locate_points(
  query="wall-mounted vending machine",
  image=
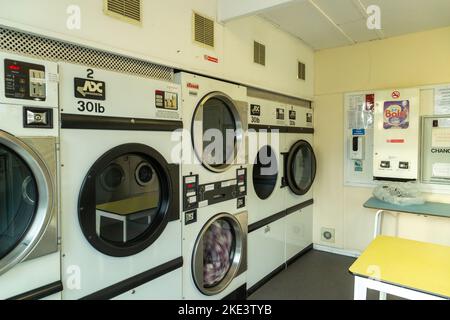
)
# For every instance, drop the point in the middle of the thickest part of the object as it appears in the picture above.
(396, 135)
(436, 149)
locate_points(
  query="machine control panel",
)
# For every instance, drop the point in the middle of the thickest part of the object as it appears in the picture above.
(190, 192)
(196, 195)
(25, 80)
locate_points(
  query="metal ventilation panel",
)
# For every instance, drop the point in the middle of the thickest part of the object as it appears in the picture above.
(127, 10)
(49, 49)
(259, 53)
(301, 71)
(203, 30)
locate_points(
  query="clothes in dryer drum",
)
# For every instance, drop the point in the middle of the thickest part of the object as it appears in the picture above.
(219, 253)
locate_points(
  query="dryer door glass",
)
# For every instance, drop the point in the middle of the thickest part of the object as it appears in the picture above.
(302, 167)
(265, 172)
(18, 199)
(218, 254)
(218, 251)
(217, 132)
(127, 199)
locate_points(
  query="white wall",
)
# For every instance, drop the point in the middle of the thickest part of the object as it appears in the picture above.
(166, 37)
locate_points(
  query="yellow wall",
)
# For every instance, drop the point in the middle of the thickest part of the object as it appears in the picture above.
(408, 61)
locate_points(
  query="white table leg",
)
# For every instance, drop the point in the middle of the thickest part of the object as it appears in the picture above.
(360, 292)
(125, 230)
(378, 223)
(98, 218)
(383, 296)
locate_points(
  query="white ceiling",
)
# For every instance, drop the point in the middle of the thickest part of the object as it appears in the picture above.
(332, 23)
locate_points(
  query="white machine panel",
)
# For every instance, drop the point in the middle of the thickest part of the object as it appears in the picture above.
(266, 112)
(265, 251)
(396, 135)
(86, 91)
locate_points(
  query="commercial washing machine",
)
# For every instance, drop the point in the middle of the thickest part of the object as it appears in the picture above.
(29, 122)
(299, 173)
(121, 228)
(214, 181)
(266, 197)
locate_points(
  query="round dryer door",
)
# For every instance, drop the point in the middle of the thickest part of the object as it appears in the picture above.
(26, 200)
(301, 167)
(219, 254)
(127, 199)
(265, 172)
(217, 131)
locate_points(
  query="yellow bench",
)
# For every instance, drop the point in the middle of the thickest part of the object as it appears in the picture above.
(404, 268)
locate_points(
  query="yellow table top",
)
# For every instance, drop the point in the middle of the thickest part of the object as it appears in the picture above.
(411, 264)
(130, 205)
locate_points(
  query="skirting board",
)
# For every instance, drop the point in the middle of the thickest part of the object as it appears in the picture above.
(342, 252)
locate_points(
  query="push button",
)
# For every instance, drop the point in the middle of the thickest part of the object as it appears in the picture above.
(385, 164)
(38, 118)
(404, 165)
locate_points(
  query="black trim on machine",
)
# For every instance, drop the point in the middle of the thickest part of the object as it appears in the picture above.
(300, 130)
(84, 122)
(40, 293)
(299, 206)
(262, 223)
(238, 294)
(260, 127)
(136, 281)
(393, 179)
(284, 266)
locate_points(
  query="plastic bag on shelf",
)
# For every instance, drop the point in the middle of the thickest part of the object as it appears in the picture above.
(399, 193)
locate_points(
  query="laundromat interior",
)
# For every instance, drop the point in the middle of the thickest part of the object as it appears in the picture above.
(225, 150)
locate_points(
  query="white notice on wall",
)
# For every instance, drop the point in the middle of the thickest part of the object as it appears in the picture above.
(442, 100)
(440, 137)
(441, 170)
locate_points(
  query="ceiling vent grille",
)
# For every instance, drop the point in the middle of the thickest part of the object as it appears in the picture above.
(127, 10)
(259, 56)
(203, 30)
(301, 71)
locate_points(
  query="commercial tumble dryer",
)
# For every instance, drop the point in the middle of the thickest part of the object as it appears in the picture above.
(266, 197)
(121, 230)
(29, 121)
(214, 170)
(299, 173)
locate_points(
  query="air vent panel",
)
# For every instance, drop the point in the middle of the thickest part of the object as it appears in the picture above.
(54, 50)
(301, 71)
(127, 10)
(203, 30)
(259, 56)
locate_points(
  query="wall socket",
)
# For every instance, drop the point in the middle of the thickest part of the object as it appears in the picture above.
(328, 235)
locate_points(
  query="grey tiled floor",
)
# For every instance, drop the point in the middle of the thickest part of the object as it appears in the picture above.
(315, 276)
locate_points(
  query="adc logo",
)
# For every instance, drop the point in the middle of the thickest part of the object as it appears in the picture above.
(255, 110)
(90, 89)
(292, 115)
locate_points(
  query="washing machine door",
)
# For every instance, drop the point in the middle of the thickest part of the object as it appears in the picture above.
(265, 172)
(217, 131)
(300, 167)
(26, 200)
(127, 199)
(220, 253)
